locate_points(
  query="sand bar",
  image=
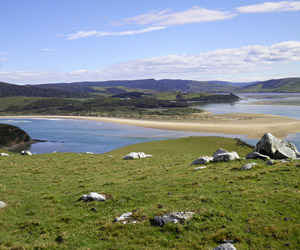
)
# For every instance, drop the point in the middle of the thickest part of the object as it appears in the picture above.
(251, 125)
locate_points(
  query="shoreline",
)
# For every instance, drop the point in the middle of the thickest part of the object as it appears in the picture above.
(250, 125)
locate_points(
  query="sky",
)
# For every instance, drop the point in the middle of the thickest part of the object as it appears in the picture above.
(48, 41)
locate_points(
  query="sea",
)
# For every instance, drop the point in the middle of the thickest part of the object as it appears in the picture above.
(81, 136)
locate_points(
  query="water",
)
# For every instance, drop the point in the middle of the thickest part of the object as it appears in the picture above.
(245, 106)
(71, 135)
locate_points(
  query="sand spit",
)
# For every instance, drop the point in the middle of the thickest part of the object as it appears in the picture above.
(251, 125)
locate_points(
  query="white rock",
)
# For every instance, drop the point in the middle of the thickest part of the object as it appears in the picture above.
(276, 148)
(256, 155)
(225, 246)
(2, 204)
(93, 197)
(90, 153)
(136, 155)
(202, 160)
(198, 168)
(4, 154)
(123, 217)
(223, 155)
(248, 166)
(26, 152)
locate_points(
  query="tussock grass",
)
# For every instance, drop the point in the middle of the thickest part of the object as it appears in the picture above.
(257, 208)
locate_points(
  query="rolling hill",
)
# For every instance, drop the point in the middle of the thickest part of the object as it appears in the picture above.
(7, 90)
(145, 84)
(276, 85)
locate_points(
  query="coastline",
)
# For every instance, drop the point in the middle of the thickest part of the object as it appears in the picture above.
(251, 125)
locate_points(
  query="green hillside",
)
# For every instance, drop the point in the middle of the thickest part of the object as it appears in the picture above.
(256, 209)
(279, 85)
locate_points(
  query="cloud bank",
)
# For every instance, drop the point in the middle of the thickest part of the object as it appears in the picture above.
(283, 6)
(252, 58)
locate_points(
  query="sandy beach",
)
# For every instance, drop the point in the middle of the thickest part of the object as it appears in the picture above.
(251, 125)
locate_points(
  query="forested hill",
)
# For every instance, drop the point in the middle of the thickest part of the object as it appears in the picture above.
(7, 90)
(149, 84)
(10, 135)
(277, 85)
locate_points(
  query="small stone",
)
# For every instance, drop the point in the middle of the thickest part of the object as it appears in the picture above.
(198, 168)
(270, 162)
(26, 152)
(2, 204)
(94, 209)
(248, 166)
(123, 217)
(202, 160)
(172, 217)
(93, 197)
(226, 246)
(136, 155)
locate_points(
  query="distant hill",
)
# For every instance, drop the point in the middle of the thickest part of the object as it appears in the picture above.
(276, 85)
(145, 84)
(7, 90)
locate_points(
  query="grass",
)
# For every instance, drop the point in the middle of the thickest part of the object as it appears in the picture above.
(258, 208)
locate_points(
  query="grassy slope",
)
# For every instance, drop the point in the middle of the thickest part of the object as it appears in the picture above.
(280, 85)
(258, 208)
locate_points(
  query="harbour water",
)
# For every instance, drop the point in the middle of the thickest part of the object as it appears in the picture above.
(72, 135)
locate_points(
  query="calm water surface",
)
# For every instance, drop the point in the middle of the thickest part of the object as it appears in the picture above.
(71, 135)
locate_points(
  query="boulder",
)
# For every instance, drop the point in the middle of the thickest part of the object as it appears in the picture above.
(225, 246)
(2, 204)
(93, 197)
(248, 166)
(223, 155)
(276, 148)
(256, 155)
(26, 152)
(136, 155)
(202, 160)
(172, 217)
(4, 154)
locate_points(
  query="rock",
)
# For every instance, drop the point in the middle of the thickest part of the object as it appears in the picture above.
(26, 152)
(198, 168)
(136, 155)
(202, 160)
(226, 246)
(256, 155)
(270, 162)
(223, 155)
(172, 217)
(89, 153)
(4, 154)
(275, 148)
(93, 197)
(123, 218)
(2, 204)
(248, 166)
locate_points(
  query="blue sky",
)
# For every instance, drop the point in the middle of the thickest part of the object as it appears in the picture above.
(74, 40)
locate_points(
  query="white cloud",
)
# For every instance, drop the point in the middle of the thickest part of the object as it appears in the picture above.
(3, 59)
(83, 34)
(271, 7)
(194, 14)
(47, 49)
(225, 63)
